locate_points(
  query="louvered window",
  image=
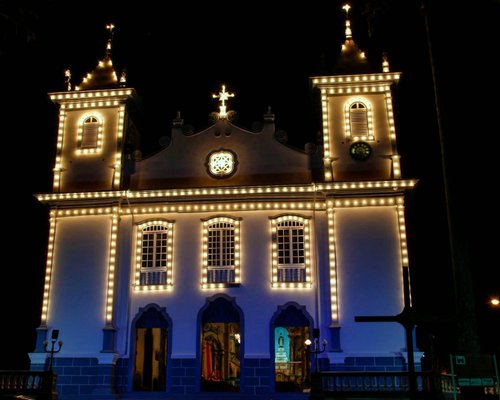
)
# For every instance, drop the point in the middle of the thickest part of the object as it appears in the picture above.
(358, 119)
(90, 133)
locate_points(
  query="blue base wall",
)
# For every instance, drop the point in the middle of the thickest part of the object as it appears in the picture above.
(81, 377)
(182, 376)
(256, 376)
(85, 378)
(122, 382)
(370, 364)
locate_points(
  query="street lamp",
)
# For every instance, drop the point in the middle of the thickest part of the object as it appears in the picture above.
(314, 348)
(494, 302)
(52, 351)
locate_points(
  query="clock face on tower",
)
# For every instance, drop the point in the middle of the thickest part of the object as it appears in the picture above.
(360, 151)
(221, 163)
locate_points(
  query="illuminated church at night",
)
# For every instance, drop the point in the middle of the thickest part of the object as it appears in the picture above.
(208, 266)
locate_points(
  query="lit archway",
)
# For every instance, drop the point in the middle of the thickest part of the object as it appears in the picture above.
(220, 327)
(291, 326)
(150, 349)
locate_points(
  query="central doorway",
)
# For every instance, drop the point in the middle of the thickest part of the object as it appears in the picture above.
(220, 345)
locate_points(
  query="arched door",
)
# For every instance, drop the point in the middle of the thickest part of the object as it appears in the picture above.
(290, 328)
(150, 351)
(220, 346)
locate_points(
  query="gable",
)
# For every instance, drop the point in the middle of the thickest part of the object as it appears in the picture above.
(254, 159)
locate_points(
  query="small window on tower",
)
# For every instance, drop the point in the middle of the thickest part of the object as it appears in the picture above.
(90, 128)
(90, 133)
(358, 120)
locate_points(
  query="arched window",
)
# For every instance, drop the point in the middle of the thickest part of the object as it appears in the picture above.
(90, 133)
(154, 255)
(221, 253)
(358, 119)
(291, 254)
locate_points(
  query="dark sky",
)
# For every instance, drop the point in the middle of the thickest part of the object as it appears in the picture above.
(176, 58)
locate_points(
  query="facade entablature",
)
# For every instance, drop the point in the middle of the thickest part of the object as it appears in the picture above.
(360, 79)
(67, 98)
(270, 194)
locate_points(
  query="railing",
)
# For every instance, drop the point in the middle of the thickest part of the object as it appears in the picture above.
(373, 384)
(38, 385)
(446, 384)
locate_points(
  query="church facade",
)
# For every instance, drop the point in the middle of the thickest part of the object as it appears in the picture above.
(228, 261)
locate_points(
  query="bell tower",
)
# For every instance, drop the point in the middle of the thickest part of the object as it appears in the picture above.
(359, 137)
(93, 125)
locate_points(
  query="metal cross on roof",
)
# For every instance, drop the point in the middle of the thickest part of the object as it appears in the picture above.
(223, 96)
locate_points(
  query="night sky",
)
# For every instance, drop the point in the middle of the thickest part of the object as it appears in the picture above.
(175, 59)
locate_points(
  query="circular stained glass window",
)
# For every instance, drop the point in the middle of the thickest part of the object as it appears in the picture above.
(222, 163)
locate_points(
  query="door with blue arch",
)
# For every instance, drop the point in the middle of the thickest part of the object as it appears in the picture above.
(220, 325)
(151, 338)
(291, 326)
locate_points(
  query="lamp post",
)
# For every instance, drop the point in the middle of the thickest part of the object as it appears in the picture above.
(314, 348)
(53, 350)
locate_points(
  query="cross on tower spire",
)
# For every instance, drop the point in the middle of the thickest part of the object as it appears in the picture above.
(348, 32)
(110, 27)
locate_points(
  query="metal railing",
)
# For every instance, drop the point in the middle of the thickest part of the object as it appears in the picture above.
(375, 384)
(40, 385)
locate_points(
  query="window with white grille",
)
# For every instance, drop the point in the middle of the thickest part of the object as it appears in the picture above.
(291, 255)
(221, 251)
(154, 255)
